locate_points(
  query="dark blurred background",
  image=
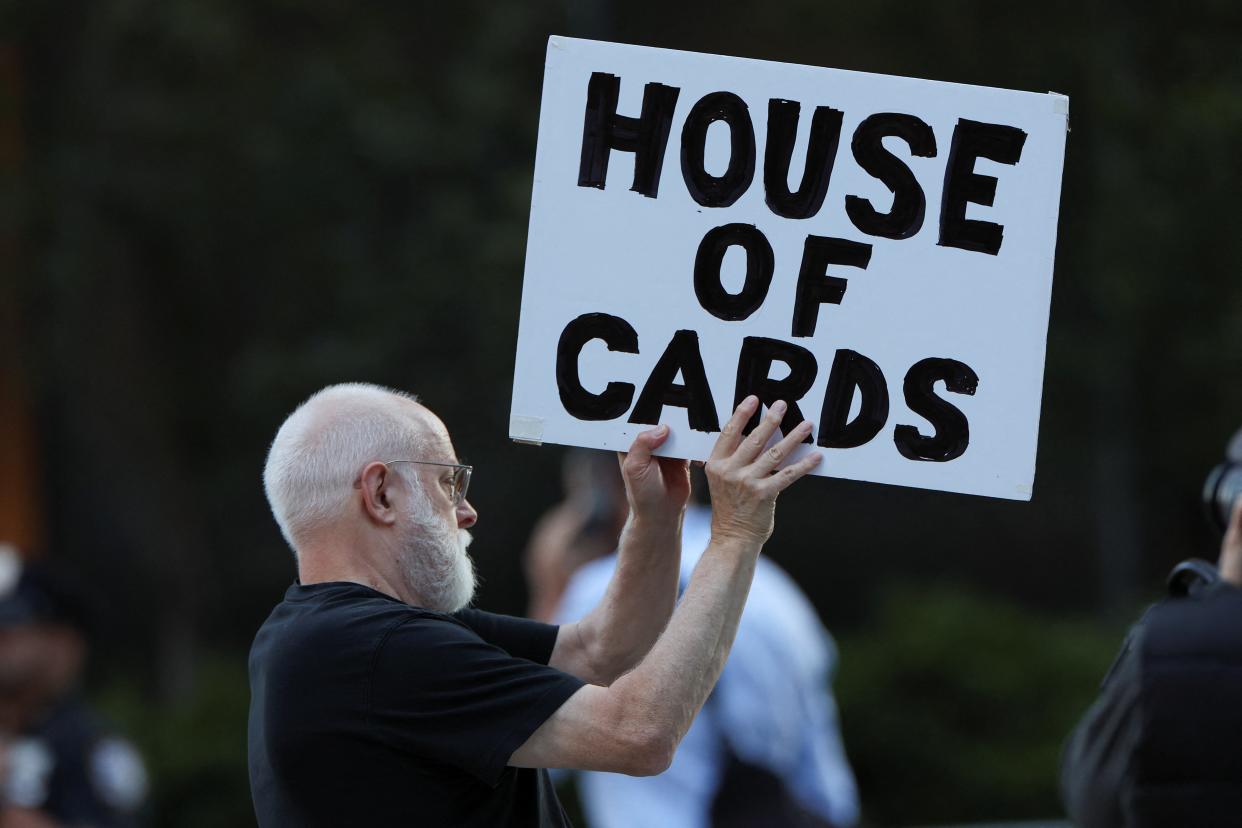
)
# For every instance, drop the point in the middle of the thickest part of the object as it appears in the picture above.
(211, 209)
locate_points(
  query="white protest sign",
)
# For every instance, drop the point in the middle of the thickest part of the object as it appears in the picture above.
(875, 250)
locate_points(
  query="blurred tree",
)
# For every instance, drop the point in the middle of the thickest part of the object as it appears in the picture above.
(227, 215)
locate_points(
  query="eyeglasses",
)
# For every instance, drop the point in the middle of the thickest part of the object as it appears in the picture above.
(457, 485)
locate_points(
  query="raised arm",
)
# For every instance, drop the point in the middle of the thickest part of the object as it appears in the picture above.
(634, 725)
(616, 635)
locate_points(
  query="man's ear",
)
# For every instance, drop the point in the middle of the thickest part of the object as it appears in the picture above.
(375, 483)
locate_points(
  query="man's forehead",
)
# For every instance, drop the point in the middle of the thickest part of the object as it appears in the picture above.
(433, 434)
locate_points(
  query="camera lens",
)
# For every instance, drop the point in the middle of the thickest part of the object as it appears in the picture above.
(1221, 491)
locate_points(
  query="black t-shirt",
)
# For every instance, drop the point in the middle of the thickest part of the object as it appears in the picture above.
(365, 711)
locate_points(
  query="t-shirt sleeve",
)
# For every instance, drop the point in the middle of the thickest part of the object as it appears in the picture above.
(442, 693)
(519, 637)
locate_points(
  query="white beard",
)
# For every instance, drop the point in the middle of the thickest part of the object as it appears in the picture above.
(435, 561)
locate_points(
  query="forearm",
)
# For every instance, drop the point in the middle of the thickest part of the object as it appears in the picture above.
(640, 597)
(635, 725)
(668, 688)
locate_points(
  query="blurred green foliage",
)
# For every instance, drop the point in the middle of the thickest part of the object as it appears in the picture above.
(954, 706)
(195, 748)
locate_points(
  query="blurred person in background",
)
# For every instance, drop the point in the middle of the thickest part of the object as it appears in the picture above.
(1161, 747)
(583, 527)
(766, 750)
(60, 767)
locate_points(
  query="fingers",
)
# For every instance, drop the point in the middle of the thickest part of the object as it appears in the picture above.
(784, 478)
(773, 457)
(731, 435)
(752, 445)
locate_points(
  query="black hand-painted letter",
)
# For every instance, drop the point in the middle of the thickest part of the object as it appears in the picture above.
(646, 136)
(618, 335)
(753, 367)
(682, 354)
(962, 185)
(905, 217)
(705, 188)
(952, 431)
(815, 286)
(821, 152)
(760, 263)
(853, 373)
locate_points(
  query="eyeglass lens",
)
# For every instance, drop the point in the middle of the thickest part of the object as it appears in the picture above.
(461, 482)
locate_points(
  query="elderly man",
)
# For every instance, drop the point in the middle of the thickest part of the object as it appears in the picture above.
(378, 699)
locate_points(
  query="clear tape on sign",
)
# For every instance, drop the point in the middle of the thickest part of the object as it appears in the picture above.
(527, 430)
(1060, 105)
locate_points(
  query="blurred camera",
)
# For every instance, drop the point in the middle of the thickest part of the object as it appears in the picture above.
(1224, 484)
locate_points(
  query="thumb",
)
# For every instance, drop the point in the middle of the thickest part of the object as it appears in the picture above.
(638, 458)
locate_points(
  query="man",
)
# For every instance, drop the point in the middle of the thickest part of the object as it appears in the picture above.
(1159, 748)
(378, 700)
(766, 749)
(59, 767)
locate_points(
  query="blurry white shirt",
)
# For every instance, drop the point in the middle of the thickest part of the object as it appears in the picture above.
(772, 705)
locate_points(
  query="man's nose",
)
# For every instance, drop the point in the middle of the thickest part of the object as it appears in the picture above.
(466, 515)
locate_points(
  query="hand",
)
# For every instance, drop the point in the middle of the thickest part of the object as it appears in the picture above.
(1230, 564)
(656, 487)
(744, 478)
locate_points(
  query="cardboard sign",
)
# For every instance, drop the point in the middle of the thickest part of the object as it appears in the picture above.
(875, 250)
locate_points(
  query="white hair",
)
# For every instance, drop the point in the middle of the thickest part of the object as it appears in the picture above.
(324, 444)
